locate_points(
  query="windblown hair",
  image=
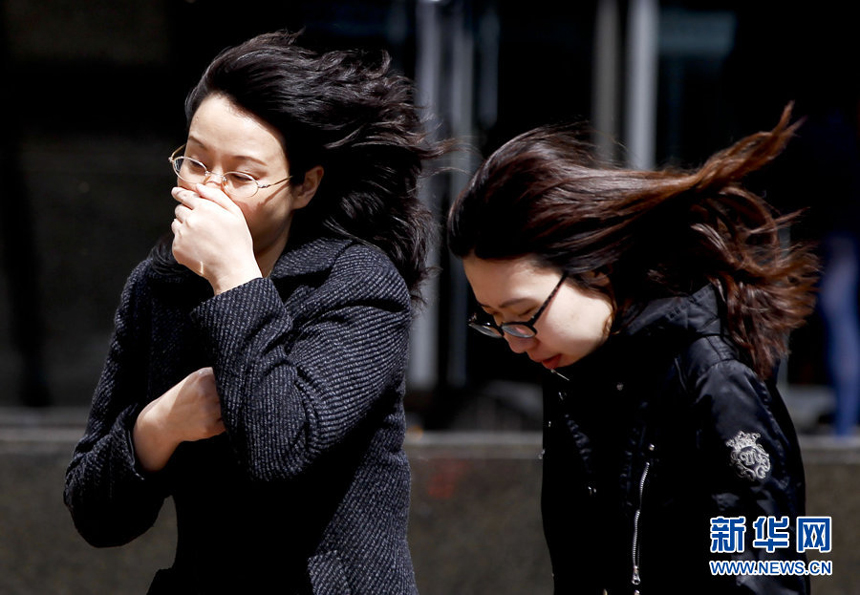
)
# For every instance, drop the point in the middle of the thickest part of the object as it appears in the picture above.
(650, 233)
(348, 112)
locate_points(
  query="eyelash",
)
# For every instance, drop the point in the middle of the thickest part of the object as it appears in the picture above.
(516, 318)
(247, 172)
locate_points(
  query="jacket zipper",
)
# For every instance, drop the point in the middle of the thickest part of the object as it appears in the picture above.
(636, 579)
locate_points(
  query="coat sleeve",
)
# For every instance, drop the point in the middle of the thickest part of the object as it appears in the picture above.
(294, 387)
(111, 501)
(748, 444)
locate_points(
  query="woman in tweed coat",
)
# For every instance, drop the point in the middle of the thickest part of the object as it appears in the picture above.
(256, 371)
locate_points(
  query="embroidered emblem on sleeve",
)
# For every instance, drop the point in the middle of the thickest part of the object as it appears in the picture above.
(749, 459)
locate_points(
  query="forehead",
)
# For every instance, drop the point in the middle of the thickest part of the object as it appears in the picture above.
(495, 282)
(219, 124)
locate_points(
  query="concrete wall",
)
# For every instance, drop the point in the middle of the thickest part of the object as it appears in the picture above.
(475, 524)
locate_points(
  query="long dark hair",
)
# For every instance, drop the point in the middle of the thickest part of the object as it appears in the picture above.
(651, 233)
(348, 112)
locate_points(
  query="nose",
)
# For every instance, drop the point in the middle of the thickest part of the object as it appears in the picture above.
(215, 178)
(518, 344)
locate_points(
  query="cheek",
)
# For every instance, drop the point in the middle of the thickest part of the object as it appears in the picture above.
(560, 339)
(576, 336)
(267, 213)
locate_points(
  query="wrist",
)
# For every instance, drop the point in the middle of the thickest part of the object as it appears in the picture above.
(233, 279)
(153, 442)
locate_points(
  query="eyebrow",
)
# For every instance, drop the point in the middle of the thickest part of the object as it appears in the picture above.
(506, 304)
(257, 160)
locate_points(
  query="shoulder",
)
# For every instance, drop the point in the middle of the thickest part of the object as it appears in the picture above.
(342, 267)
(731, 404)
(723, 387)
(369, 265)
(150, 278)
(711, 356)
(713, 379)
(139, 282)
(363, 274)
(363, 258)
(153, 293)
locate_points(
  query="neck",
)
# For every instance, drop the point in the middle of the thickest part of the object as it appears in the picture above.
(267, 257)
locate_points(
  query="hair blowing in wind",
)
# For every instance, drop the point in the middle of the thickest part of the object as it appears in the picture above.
(352, 113)
(651, 234)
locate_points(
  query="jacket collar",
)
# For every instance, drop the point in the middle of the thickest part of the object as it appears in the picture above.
(657, 328)
(309, 257)
(689, 316)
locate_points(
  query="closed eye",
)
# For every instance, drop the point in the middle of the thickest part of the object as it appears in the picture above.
(500, 319)
(238, 177)
(527, 314)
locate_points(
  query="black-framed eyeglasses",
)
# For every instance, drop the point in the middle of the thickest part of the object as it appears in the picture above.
(235, 184)
(522, 330)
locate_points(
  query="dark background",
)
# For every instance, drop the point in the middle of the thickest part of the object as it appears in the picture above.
(94, 93)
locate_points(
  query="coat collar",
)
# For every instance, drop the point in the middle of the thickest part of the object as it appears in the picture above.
(657, 328)
(309, 257)
(302, 258)
(697, 314)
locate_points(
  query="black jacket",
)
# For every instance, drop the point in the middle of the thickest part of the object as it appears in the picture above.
(662, 429)
(308, 490)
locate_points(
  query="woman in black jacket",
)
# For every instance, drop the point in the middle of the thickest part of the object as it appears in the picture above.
(661, 303)
(256, 372)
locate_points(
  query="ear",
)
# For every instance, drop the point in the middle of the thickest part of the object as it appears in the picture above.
(304, 193)
(600, 277)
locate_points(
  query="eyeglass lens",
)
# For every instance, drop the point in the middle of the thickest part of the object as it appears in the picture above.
(515, 329)
(522, 330)
(194, 172)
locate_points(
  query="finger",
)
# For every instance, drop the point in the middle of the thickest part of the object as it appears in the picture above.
(181, 213)
(218, 196)
(174, 227)
(187, 197)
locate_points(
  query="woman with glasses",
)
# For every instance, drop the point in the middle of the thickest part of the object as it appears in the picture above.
(661, 303)
(256, 372)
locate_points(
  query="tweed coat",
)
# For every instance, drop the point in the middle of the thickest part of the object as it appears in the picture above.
(307, 491)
